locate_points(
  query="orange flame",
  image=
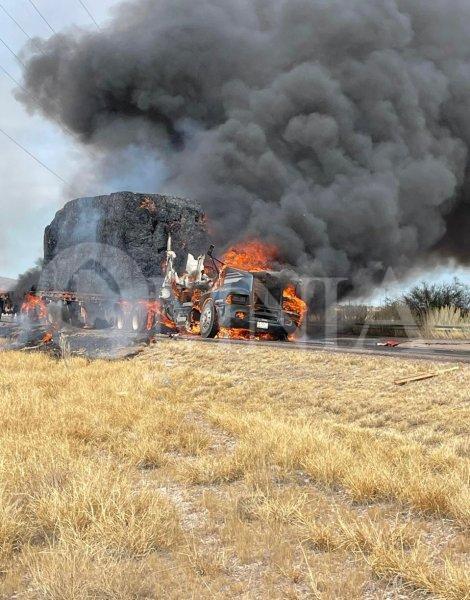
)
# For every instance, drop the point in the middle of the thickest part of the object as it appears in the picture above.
(251, 256)
(34, 307)
(152, 312)
(293, 304)
(194, 325)
(47, 337)
(155, 312)
(243, 334)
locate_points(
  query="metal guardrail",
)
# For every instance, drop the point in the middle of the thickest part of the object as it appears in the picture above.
(457, 327)
(384, 325)
(409, 325)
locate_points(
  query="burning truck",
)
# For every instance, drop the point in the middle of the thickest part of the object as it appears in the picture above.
(219, 299)
(210, 298)
(118, 261)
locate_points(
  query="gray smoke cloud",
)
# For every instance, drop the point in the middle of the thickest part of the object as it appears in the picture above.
(337, 129)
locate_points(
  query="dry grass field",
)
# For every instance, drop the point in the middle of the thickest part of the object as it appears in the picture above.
(436, 321)
(224, 471)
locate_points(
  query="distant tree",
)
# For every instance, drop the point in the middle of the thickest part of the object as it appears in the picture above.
(425, 297)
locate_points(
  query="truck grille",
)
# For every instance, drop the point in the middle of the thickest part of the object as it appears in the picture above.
(266, 315)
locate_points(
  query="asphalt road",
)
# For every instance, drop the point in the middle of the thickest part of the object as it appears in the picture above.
(118, 344)
(440, 352)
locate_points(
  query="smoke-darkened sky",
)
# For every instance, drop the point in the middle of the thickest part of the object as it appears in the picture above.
(30, 195)
(339, 130)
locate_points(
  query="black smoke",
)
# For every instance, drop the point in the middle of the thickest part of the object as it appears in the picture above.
(337, 129)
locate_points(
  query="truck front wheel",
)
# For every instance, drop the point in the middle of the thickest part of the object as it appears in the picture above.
(209, 320)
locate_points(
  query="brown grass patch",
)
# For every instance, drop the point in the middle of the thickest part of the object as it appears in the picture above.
(220, 471)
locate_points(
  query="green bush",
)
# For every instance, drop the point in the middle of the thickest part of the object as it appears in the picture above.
(426, 297)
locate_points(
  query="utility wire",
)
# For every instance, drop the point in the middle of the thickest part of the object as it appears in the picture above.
(41, 15)
(32, 155)
(87, 10)
(12, 52)
(15, 81)
(15, 21)
(12, 139)
(20, 85)
(33, 96)
(21, 28)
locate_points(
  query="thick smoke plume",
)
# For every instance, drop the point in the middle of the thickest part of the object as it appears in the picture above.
(338, 129)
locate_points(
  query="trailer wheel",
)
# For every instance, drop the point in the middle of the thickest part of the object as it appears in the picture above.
(209, 320)
(83, 316)
(65, 313)
(121, 321)
(139, 319)
(75, 314)
(54, 313)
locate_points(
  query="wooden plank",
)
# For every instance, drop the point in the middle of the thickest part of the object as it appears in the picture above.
(423, 376)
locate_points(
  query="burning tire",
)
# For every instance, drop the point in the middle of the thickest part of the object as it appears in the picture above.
(209, 320)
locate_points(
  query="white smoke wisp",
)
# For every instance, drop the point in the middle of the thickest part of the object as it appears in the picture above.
(338, 130)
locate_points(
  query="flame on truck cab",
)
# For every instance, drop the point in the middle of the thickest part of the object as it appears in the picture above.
(220, 298)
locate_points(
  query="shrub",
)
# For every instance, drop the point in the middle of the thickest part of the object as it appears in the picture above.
(426, 297)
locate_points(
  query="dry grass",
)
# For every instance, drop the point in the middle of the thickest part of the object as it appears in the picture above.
(440, 323)
(220, 471)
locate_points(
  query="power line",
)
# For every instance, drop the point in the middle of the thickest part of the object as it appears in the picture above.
(32, 155)
(15, 81)
(87, 10)
(26, 91)
(21, 86)
(21, 28)
(12, 52)
(41, 15)
(15, 21)
(33, 96)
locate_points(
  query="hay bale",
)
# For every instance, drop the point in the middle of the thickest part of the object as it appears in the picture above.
(117, 243)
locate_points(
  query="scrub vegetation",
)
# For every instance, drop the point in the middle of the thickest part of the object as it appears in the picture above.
(225, 471)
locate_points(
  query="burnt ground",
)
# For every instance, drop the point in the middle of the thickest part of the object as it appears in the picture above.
(91, 343)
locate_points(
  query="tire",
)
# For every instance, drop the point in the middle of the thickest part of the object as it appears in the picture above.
(209, 320)
(75, 314)
(54, 313)
(83, 316)
(139, 319)
(65, 314)
(92, 314)
(121, 321)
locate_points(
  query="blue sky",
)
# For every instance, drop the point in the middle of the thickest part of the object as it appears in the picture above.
(29, 194)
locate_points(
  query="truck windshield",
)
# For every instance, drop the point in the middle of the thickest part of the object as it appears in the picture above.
(240, 281)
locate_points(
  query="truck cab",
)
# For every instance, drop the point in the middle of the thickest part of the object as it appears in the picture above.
(247, 302)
